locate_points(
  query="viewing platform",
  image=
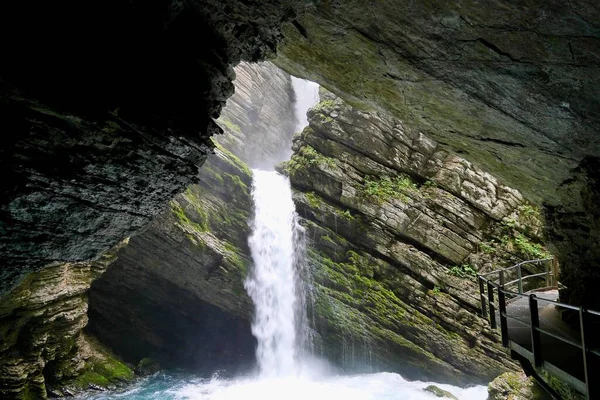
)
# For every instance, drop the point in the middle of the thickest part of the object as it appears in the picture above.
(541, 332)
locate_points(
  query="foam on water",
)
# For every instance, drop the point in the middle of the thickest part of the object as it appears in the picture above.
(380, 386)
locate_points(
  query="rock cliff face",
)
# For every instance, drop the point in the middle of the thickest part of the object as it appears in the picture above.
(42, 345)
(176, 292)
(98, 139)
(397, 228)
(259, 119)
(392, 255)
(105, 112)
(512, 87)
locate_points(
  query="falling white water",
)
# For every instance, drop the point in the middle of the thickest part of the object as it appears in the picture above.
(272, 283)
(307, 95)
(275, 245)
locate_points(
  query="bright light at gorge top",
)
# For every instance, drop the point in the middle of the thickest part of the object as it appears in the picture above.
(285, 369)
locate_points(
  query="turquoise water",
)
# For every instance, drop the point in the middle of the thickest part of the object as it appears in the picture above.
(379, 386)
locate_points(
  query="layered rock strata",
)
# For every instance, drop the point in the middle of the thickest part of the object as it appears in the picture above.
(187, 269)
(106, 108)
(507, 85)
(42, 346)
(397, 229)
(512, 87)
(176, 292)
(258, 120)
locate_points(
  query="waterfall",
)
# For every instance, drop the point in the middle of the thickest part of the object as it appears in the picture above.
(276, 245)
(275, 285)
(272, 285)
(307, 95)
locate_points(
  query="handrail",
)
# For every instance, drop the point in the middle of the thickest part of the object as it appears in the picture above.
(489, 286)
(537, 261)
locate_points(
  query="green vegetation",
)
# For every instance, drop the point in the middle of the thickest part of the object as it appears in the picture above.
(325, 103)
(385, 187)
(565, 391)
(529, 210)
(307, 157)
(463, 271)
(233, 160)
(516, 235)
(314, 200)
(230, 125)
(102, 369)
(528, 248)
(184, 220)
(111, 127)
(234, 257)
(486, 248)
(429, 184)
(346, 214)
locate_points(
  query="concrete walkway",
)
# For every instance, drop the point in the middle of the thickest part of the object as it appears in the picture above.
(562, 355)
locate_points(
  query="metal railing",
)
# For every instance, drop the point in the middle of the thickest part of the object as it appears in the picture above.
(495, 282)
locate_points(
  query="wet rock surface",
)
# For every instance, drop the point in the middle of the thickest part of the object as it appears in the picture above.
(259, 120)
(99, 138)
(43, 346)
(511, 87)
(397, 230)
(106, 110)
(176, 292)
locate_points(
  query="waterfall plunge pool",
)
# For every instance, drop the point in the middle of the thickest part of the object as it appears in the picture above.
(378, 386)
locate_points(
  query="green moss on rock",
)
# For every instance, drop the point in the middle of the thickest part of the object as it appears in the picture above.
(102, 368)
(438, 392)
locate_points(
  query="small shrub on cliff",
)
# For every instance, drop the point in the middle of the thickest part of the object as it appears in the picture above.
(384, 188)
(463, 271)
(230, 125)
(306, 157)
(529, 249)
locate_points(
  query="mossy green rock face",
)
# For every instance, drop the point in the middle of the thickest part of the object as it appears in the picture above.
(41, 322)
(515, 386)
(396, 229)
(147, 366)
(102, 370)
(176, 292)
(440, 392)
(511, 87)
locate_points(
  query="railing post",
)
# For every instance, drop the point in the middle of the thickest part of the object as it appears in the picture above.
(503, 320)
(590, 385)
(555, 272)
(482, 297)
(548, 277)
(501, 281)
(490, 289)
(520, 279)
(536, 347)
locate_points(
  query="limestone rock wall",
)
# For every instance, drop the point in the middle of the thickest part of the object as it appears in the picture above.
(259, 119)
(106, 109)
(41, 340)
(512, 87)
(397, 229)
(176, 292)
